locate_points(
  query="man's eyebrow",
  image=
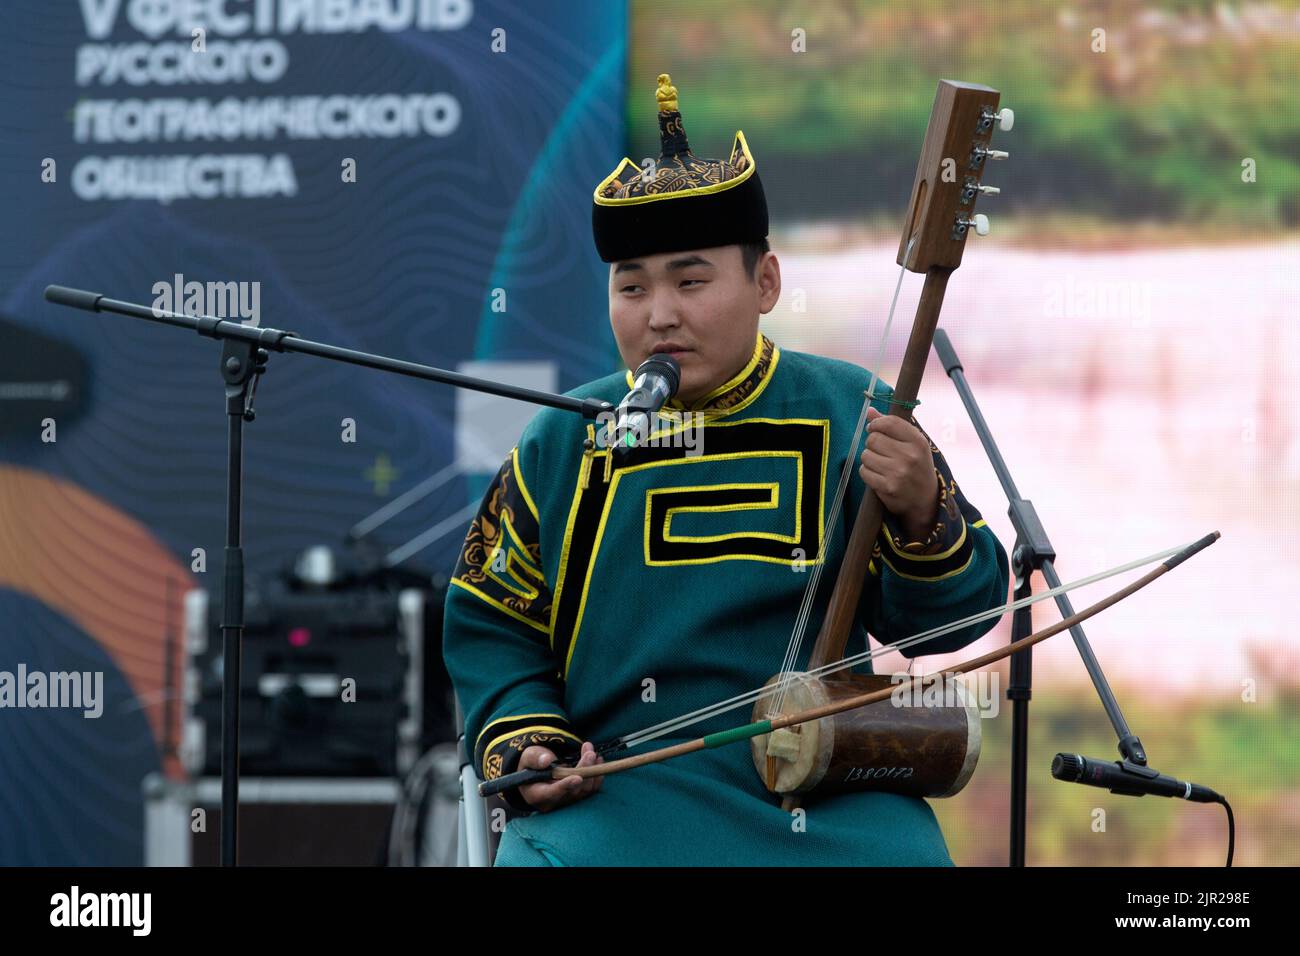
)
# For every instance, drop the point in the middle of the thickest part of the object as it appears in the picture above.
(673, 265)
(688, 261)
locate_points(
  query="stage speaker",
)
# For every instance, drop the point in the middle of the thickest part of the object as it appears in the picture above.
(283, 821)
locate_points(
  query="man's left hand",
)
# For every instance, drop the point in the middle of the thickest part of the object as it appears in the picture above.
(898, 466)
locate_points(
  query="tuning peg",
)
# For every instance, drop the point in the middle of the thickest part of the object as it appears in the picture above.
(980, 153)
(979, 222)
(1006, 119)
(971, 189)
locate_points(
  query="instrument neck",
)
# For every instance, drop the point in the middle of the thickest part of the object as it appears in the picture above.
(842, 610)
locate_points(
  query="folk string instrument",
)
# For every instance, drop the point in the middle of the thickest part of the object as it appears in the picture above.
(928, 750)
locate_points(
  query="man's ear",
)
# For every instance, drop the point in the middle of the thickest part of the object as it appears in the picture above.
(768, 278)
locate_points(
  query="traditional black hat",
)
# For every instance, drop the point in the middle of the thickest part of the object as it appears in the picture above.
(682, 201)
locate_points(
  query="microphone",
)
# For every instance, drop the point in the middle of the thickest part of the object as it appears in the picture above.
(1127, 778)
(655, 382)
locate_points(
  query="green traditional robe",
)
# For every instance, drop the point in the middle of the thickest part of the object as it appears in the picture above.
(601, 592)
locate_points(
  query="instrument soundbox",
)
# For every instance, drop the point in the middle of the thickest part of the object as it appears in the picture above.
(927, 747)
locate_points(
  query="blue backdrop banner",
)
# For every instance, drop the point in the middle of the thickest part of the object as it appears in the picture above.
(409, 177)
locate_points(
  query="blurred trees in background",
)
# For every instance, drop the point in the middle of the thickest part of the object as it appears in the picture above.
(1124, 109)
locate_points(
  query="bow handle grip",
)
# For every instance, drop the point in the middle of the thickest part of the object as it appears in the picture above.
(517, 779)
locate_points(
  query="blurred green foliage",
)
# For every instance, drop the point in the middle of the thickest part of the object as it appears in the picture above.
(1245, 751)
(1156, 125)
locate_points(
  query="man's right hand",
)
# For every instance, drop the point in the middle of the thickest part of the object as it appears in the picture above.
(557, 793)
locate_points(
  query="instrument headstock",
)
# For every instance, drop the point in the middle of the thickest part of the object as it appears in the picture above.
(956, 149)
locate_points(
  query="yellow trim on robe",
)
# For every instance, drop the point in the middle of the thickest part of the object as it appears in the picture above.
(523, 488)
(526, 730)
(612, 494)
(501, 607)
(497, 720)
(961, 539)
(773, 502)
(512, 558)
(913, 577)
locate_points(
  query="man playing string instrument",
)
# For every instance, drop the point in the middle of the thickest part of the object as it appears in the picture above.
(601, 590)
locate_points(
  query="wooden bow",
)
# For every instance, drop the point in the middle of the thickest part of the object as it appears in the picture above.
(758, 728)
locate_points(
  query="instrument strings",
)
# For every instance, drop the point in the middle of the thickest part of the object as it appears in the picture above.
(786, 673)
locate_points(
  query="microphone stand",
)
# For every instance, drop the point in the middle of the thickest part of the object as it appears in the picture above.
(244, 355)
(1033, 552)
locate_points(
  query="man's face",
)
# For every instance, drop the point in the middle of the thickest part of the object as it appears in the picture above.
(699, 306)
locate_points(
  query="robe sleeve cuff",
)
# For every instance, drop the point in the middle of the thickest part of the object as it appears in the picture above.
(504, 741)
(947, 549)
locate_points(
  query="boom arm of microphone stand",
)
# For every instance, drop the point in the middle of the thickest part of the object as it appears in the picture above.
(282, 341)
